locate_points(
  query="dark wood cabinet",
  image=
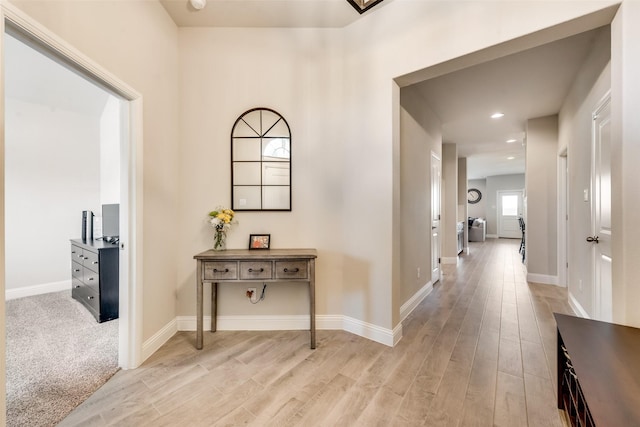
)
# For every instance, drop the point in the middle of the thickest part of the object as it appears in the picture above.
(598, 372)
(95, 277)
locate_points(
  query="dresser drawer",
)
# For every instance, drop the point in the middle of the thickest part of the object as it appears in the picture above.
(221, 270)
(291, 269)
(250, 270)
(91, 279)
(76, 254)
(76, 270)
(87, 297)
(91, 260)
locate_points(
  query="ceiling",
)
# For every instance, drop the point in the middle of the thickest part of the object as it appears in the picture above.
(265, 13)
(526, 85)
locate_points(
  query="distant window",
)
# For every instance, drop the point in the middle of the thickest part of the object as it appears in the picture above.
(509, 205)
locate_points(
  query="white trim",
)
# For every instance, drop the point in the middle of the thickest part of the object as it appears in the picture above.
(44, 288)
(154, 343)
(130, 324)
(373, 332)
(563, 212)
(449, 260)
(295, 323)
(491, 236)
(415, 300)
(545, 279)
(577, 307)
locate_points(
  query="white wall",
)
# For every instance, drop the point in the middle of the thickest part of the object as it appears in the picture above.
(478, 210)
(52, 175)
(542, 198)
(494, 184)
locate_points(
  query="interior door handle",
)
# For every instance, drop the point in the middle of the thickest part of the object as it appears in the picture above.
(593, 239)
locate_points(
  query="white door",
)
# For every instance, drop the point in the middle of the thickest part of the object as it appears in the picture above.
(601, 212)
(509, 210)
(435, 216)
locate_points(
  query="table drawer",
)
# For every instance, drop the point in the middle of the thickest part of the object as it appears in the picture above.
(250, 270)
(221, 270)
(291, 269)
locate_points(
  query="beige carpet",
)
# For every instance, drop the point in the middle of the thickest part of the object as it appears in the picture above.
(57, 356)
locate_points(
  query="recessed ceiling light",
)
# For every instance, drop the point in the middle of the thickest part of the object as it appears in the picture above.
(509, 141)
(497, 115)
(510, 158)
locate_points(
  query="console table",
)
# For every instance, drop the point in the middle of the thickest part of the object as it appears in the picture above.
(598, 372)
(257, 265)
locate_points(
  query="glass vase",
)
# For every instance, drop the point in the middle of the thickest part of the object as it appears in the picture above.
(219, 240)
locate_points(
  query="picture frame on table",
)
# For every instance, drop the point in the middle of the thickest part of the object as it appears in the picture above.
(259, 241)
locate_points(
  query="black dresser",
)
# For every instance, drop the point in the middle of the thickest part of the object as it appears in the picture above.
(94, 271)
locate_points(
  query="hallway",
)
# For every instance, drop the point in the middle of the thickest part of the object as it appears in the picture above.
(479, 350)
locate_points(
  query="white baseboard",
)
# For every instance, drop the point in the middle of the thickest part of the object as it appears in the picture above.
(577, 307)
(542, 278)
(45, 288)
(416, 299)
(374, 333)
(449, 260)
(154, 343)
(294, 323)
(491, 236)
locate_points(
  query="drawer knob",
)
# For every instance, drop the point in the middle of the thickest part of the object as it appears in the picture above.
(76, 286)
(80, 256)
(295, 270)
(90, 278)
(89, 298)
(251, 270)
(76, 270)
(215, 270)
(94, 262)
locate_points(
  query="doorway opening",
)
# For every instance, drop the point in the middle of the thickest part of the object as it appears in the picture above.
(129, 161)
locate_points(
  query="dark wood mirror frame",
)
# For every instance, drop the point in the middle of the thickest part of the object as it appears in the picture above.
(261, 162)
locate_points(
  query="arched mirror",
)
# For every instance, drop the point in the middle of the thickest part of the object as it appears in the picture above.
(261, 162)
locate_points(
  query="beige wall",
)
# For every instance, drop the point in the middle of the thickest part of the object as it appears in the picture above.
(137, 41)
(591, 84)
(448, 230)
(542, 196)
(224, 72)
(463, 209)
(625, 104)
(420, 136)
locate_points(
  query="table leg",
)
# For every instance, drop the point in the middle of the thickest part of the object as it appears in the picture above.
(199, 309)
(214, 306)
(312, 302)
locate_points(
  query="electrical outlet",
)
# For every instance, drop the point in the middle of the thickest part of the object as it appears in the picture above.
(252, 294)
(418, 273)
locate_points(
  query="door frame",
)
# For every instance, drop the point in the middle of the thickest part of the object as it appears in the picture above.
(436, 272)
(603, 103)
(563, 218)
(131, 203)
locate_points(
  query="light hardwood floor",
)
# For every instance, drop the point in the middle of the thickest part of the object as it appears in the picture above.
(478, 351)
